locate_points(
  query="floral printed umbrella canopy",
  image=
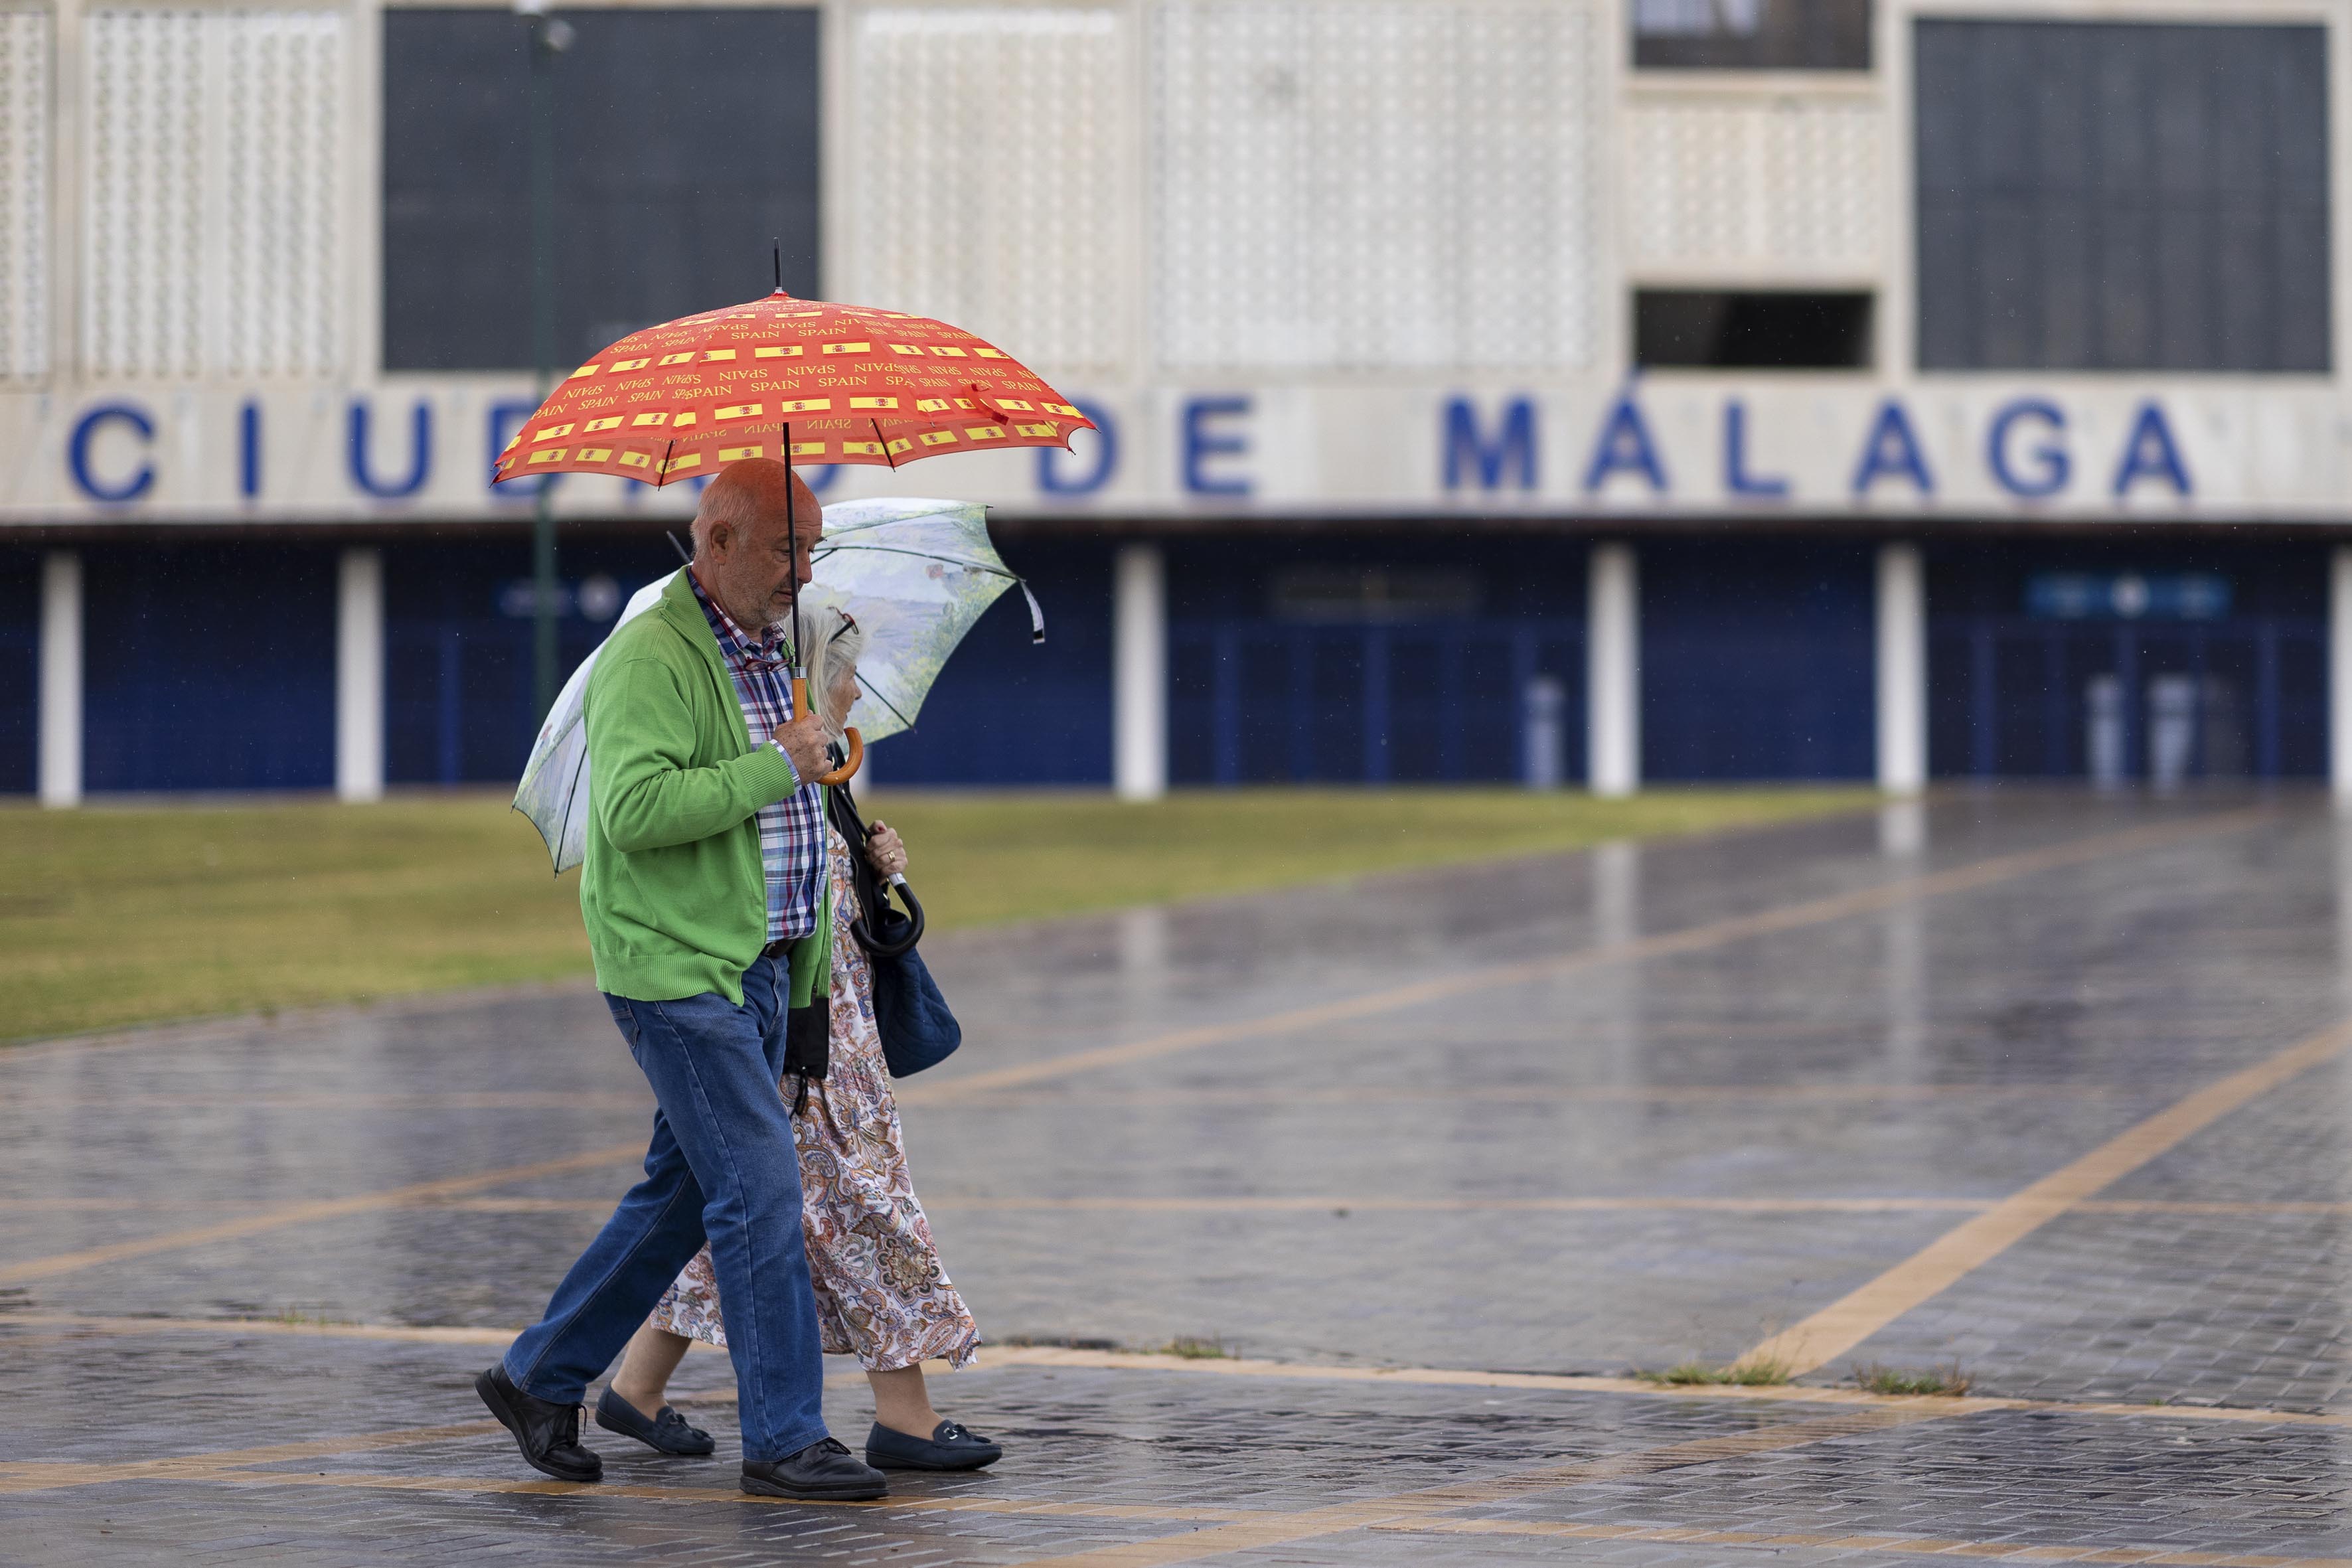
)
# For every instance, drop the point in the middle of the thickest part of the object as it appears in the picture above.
(851, 385)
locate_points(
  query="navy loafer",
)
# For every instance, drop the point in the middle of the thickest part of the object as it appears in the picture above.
(666, 1433)
(950, 1447)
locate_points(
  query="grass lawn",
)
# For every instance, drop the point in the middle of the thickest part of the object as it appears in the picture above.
(115, 915)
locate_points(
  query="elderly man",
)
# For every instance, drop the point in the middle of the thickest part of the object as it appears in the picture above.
(704, 895)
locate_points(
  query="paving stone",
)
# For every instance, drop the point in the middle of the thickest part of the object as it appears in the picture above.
(1948, 1048)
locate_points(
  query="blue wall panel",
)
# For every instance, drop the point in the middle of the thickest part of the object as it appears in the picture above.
(1756, 660)
(20, 639)
(459, 705)
(208, 667)
(1267, 689)
(1008, 712)
(2009, 689)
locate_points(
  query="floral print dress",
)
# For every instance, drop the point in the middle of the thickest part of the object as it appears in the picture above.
(881, 1293)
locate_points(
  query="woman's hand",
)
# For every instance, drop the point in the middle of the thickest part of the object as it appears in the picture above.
(883, 849)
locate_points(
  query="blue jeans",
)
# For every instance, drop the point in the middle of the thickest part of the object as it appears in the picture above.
(722, 1165)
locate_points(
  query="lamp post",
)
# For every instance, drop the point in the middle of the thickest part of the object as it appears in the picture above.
(550, 37)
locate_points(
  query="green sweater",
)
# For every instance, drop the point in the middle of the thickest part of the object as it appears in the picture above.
(673, 892)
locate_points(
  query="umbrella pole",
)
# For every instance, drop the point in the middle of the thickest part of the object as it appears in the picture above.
(799, 666)
(792, 544)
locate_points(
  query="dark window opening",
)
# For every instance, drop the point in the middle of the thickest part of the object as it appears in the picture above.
(2122, 196)
(686, 144)
(1751, 35)
(1776, 330)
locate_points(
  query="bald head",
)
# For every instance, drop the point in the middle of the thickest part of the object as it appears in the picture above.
(742, 548)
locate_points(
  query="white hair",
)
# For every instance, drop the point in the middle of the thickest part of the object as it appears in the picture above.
(834, 643)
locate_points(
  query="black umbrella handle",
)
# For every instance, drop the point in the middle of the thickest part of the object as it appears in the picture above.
(904, 944)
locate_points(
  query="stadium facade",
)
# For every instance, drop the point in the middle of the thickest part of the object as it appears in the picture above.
(1621, 390)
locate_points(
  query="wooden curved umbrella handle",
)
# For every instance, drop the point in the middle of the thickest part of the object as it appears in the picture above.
(847, 770)
(843, 774)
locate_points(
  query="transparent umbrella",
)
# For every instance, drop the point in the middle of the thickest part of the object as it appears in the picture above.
(916, 574)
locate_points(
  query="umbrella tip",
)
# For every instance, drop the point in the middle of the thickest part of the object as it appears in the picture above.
(777, 253)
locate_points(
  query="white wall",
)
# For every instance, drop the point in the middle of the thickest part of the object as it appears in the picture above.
(1612, 645)
(59, 766)
(1902, 669)
(1139, 673)
(359, 677)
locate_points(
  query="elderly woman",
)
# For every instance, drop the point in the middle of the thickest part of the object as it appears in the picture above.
(881, 1293)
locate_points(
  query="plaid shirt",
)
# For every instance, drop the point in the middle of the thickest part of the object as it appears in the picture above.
(791, 830)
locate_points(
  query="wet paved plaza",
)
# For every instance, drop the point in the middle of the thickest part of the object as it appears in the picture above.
(2051, 1089)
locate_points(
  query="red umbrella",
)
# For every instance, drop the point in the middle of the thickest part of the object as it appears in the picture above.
(800, 380)
(850, 383)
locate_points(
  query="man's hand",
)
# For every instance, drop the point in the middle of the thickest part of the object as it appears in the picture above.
(802, 739)
(884, 848)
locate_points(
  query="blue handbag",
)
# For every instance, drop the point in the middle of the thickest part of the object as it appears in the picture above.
(917, 1028)
(918, 1031)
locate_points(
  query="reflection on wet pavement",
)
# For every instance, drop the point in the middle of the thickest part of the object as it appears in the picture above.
(1574, 1116)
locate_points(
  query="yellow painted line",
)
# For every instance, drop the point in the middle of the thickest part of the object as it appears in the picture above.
(129, 1206)
(1353, 1206)
(1846, 1322)
(518, 1486)
(1691, 939)
(1862, 1412)
(1263, 1097)
(488, 1100)
(238, 1028)
(284, 1215)
(1278, 1530)
(1909, 1545)
(1276, 1098)
(1708, 934)
(1326, 1205)
(1411, 1514)
(64, 1327)
(294, 1328)
(48, 1475)
(992, 1357)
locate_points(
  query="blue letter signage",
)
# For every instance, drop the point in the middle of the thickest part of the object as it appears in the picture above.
(1736, 477)
(1200, 444)
(2052, 466)
(2150, 453)
(420, 461)
(141, 480)
(1511, 452)
(1051, 478)
(1893, 449)
(1624, 445)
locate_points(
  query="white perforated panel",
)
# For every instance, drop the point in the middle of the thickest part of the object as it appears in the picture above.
(1750, 184)
(212, 240)
(24, 195)
(989, 174)
(1374, 183)
(282, 267)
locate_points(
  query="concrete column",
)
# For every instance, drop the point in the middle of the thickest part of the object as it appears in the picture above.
(1139, 673)
(61, 699)
(2339, 673)
(1613, 671)
(359, 678)
(1902, 669)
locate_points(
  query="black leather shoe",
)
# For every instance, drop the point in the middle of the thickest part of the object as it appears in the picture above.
(666, 1433)
(547, 1433)
(950, 1447)
(823, 1471)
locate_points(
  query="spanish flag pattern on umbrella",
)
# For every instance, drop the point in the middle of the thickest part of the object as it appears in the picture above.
(854, 385)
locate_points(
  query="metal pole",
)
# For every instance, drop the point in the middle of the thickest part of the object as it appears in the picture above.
(548, 38)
